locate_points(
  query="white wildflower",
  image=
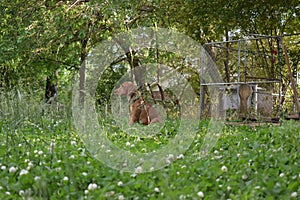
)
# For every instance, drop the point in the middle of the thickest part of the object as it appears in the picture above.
(84, 174)
(40, 152)
(244, 176)
(23, 172)
(121, 197)
(92, 186)
(156, 189)
(71, 157)
(30, 165)
(3, 167)
(58, 169)
(120, 183)
(138, 170)
(21, 192)
(224, 168)
(200, 194)
(37, 178)
(65, 178)
(281, 175)
(73, 143)
(12, 169)
(294, 194)
(180, 156)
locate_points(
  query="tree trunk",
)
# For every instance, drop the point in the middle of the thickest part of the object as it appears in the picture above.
(83, 54)
(51, 89)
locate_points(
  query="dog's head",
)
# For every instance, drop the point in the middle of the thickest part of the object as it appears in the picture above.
(126, 89)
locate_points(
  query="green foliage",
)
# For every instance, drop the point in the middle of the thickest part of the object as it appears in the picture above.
(41, 157)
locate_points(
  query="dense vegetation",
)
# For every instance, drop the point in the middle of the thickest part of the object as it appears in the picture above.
(42, 157)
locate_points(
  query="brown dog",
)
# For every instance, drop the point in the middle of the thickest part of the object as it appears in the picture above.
(140, 110)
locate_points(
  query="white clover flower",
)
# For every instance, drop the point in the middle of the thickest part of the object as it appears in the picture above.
(73, 143)
(238, 155)
(7, 193)
(224, 168)
(294, 194)
(30, 165)
(12, 169)
(127, 143)
(92, 186)
(200, 194)
(244, 176)
(138, 170)
(180, 156)
(37, 178)
(71, 157)
(58, 161)
(120, 183)
(35, 151)
(20, 145)
(23, 172)
(84, 173)
(121, 197)
(65, 178)
(57, 169)
(228, 188)
(156, 189)
(281, 175)
(86, 191)
(178, 173)
(3, 167)
(40, 152)
(21, 192)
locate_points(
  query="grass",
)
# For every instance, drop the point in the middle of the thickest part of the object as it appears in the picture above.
(42, 157)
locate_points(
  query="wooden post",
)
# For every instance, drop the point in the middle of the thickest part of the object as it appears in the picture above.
(245, 91)
(292, 80)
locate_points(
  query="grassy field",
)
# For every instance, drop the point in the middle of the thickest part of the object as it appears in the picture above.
(42, 157)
